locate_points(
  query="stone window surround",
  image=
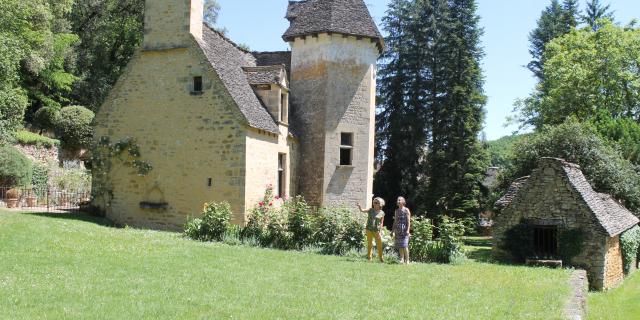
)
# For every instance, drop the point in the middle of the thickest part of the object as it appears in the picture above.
(344, 147)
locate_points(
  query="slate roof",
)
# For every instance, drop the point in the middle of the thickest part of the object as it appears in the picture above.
(610, 214)
(274, 58)
(350, 17)
(227, 59)
(265, 74)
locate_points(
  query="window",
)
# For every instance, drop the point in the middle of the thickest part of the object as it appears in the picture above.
(282, 164)
(197, 84)
(284, 105)
(545, 241)
(346, 149)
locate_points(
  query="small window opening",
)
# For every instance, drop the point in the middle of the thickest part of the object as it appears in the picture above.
(197, 84)
(282, 161)
(209, 182)
(284, 111)
(545, 242)
(346, 149)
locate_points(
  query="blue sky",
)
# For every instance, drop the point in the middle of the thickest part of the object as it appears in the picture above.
(507, 23)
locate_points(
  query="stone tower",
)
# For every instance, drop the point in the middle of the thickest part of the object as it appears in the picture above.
(169, 24)
(334, 46)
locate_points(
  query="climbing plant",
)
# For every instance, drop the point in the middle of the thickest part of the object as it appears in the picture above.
(630, 242)
(104, 154)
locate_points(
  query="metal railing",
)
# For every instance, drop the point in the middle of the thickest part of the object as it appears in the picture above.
(42, 199)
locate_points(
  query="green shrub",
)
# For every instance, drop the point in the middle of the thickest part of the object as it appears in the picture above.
(71, 177)
(301, 221)
(40, 178)
(339, 230)
(15, 168)
(27, 138)
(73, 127)
(213, 225)
(13, 102)
(630, 243)
(421, 240)
(46, 118)
(451, 232)
(570, 244)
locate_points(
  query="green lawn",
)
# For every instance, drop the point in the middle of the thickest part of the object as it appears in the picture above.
(620, 303)
(72, 267)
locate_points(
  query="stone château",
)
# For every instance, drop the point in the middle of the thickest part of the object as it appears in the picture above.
(219, 123)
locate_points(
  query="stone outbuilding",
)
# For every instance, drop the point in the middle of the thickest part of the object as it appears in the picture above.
(215, 122)
(556, 214)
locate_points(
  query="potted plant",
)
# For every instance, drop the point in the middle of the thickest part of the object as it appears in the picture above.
(31, 199)
(12, 197)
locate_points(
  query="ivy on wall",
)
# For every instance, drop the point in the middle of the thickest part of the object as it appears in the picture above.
(104, 154)
(630, 243)
(519, 242)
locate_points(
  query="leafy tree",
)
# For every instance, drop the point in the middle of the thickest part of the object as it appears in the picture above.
(45, 118)
(556, 20)
(605, 169)
(73, 126)
(595, 12)
(586, 71)
(501, 150)
(15, 168)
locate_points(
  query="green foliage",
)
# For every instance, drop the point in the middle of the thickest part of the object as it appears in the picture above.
(40, 177)
(71, 177)
(447, 248)
(13, 102)
(427, 126)
(586, 71)
(45, 118)
(33, 139)
(339, 230)
(518, 242)
(630, 245)
(15, 168)
(595, 13)
(73, 127)
(604, 168)
(556, 20)
(212, 225)
(451, 231)
(623, 133)
(301, 221)
(501, 150)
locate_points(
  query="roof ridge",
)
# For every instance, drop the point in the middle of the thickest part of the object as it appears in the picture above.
(227, 39)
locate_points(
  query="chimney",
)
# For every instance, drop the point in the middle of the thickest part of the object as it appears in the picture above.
(169, 24)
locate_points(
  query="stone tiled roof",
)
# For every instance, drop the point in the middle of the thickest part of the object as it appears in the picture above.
(609, 213)
(265, 74)
(227, 59)
(613, 217)
(350, 17)
(511, 193)
(274, 58)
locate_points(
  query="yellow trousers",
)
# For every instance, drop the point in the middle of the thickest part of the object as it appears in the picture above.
(370, 236)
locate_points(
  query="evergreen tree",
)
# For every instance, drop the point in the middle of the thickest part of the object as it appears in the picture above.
(456, 158)
(556, 20)
(594, 12)
(431, 106)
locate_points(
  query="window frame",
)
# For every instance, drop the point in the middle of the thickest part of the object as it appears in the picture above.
(346, 147)
(193, 85)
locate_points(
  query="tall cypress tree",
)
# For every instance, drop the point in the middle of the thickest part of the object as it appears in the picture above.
(431, 106)
(456, 159)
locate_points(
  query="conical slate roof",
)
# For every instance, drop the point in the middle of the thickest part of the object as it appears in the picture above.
(349, 17)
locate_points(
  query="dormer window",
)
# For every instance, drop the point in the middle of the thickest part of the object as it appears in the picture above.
(197, 85)
(284, 107)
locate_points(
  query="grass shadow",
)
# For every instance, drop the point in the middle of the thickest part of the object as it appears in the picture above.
(481, 254)
(74, 215)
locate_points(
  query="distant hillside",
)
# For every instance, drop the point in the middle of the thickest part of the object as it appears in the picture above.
(501, 150)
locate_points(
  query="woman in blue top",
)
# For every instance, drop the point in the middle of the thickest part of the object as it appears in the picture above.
(401, 229)
(375, 220)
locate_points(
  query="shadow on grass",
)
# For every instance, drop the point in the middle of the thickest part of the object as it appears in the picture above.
(481, 254)
(74, 215)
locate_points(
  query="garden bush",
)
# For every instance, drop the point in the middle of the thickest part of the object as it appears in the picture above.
(630, 243)
(27, 138)
(73, 127)
(213, 225)
(301, 221)
(46, 117)
(15, 168)
(451, 232)
(339, 230)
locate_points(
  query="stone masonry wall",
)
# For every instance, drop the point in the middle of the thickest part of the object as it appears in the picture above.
(170, 23)
(333, 91)
(186, 138)
(614, 270)
(549, 198)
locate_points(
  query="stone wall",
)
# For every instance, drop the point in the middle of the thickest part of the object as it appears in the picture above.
(549, 198)
(170, 23)
(40, 154)
(333, 91)
(614, 269)
(186, 138)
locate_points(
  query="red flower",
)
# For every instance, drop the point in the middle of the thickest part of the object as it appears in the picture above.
(261, 203)
(277, 197)
(270, 204)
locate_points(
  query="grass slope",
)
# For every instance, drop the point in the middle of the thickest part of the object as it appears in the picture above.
(620, 303)
(70, 266)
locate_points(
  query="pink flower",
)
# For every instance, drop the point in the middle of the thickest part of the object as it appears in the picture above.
(261, 203)
(277, 197)
(270, 204)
